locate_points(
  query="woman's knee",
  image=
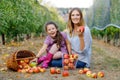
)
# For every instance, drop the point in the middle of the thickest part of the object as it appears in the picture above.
(80, 64)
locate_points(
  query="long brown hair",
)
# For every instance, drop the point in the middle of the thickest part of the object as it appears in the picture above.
(58, 38)
(70, 25)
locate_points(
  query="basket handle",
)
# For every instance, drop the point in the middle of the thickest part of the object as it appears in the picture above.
(14, 54)
(25, 58)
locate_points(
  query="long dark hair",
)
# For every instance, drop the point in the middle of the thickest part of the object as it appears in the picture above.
(58, 38)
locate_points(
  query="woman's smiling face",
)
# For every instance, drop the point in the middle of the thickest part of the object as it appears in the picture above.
(75, 17)
(51, 30)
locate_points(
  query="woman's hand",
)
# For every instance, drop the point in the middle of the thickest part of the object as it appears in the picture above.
(80, 31)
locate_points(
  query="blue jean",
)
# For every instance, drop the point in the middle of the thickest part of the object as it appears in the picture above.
(58, 63)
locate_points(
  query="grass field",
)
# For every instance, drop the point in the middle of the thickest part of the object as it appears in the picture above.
(105, 58)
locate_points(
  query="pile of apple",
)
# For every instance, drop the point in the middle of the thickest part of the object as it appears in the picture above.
(69, 61)
(55, 70)
(26, 67)
(91, 74)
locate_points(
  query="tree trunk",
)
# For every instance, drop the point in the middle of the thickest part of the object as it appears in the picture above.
(28, 36)
(3, 39)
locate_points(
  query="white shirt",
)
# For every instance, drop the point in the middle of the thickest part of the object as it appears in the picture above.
(85, 55)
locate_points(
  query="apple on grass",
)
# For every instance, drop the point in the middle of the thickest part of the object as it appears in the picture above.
(100, 74)
(81, 71)
(23, 71)
(42, 70)
(20, 66)
(65, 67)
(52, 70)
(65, 73)
(85, 69)
(58, 71)
(89, 73)
(30, 71)
(94, 75)
(35, 69)
(19, 70)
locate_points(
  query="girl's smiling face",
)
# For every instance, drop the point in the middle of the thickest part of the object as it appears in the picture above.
(51, 30)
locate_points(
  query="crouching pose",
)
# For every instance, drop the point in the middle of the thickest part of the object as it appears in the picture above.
(55, 45)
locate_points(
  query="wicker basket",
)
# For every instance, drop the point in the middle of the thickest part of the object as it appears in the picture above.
(12, 60)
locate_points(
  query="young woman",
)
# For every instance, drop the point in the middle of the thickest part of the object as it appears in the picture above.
(80, 37)
(56, 44)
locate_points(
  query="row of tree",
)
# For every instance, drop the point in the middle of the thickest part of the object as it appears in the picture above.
(110, 35)
(102, 13)
(20, 18)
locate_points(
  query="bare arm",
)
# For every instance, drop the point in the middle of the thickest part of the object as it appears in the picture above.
(82, 43)
(68, 46)
(81, 37)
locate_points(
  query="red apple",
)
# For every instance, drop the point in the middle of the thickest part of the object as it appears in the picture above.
(94, 75)
(65, 73)
(21, 62)
(30, 71)
(81, 28)
(52, 70)
(58, 71)
(19, 70)
(20, 66)
(71, 60)
(65, 67)
(66, 56)
(81, 71)
(71, 56)
(100, 74)
(65, 61)
(42, 70)
(36, 70)
(71, 65)
(85, 70)
(23, 71)
(89, 73)
(75, 56)
(26, 66)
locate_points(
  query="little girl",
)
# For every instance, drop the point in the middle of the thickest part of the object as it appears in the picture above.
(56, 44)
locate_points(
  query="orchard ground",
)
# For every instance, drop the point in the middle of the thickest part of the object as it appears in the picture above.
(105, 58)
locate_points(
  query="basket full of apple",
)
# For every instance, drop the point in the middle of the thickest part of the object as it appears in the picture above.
(19, 60)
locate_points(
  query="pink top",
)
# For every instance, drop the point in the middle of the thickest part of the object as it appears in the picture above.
(50, 41)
